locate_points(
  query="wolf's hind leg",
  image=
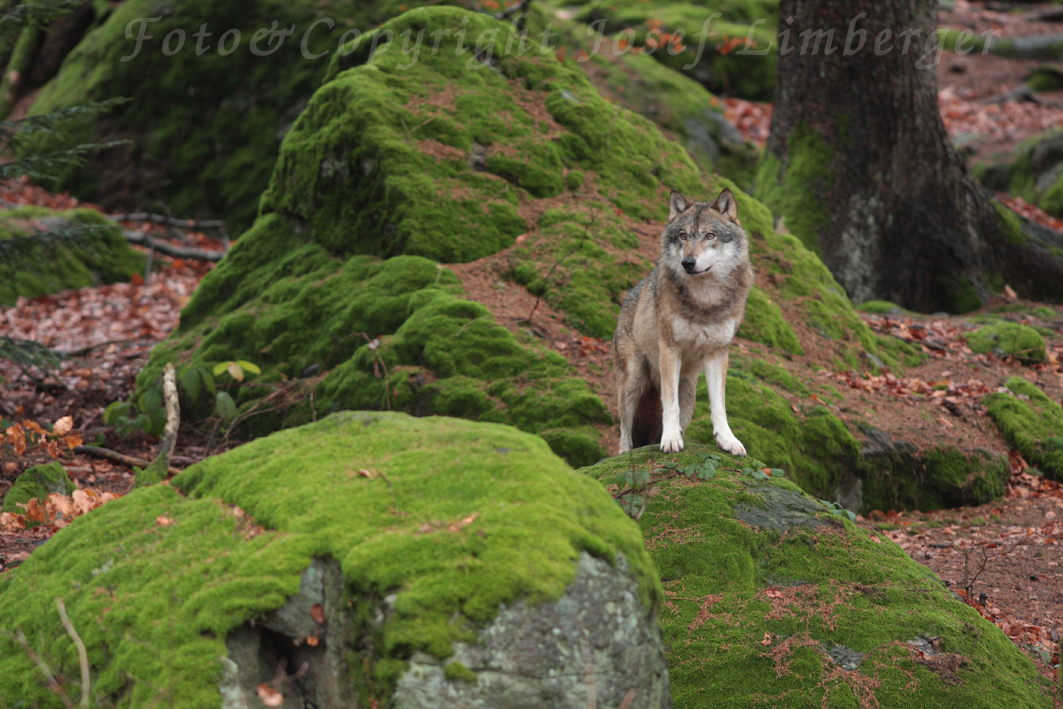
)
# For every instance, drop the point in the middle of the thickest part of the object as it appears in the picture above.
(688, 388)
(716, 378)
(632, 383)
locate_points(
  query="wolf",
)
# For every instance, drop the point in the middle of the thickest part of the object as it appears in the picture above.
(680, 320)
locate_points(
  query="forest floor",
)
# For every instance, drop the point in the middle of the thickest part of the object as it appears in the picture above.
(1005, 558)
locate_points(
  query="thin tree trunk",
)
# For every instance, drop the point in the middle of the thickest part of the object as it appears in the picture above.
(860, 167)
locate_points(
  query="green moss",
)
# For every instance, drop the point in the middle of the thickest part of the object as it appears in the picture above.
(793, 190)
(574, 180)
(940, 477)
(765, 323)
(1027, 173)
(88, 250)
(879, 307)
(457, 672)
(154, 603)
(1008, 338)
(36, 483)
(1031, 423)
(763, 586)
(813, 446)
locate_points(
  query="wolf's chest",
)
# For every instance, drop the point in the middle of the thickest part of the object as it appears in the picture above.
(696, 337)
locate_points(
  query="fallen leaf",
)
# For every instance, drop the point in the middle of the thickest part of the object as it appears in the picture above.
(269, 696)
(163, 521)
(63, 426)
(313, 640)
(317, 612)
(767, 639)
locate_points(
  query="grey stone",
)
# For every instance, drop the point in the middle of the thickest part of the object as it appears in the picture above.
(592, 647)
(780, 510)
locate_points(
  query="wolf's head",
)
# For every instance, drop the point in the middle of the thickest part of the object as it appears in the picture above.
(702, 237)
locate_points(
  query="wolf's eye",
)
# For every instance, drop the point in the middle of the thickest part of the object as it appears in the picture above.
(710, 236)
(682, 236)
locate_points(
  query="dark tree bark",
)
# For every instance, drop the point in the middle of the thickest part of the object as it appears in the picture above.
(861, 168)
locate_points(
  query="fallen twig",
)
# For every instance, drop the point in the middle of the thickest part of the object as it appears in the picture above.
(83, 656)
(116, 457)
(139, 237)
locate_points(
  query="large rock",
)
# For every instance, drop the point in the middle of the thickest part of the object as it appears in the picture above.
(45, 251)
(377, 557)
(774, 599)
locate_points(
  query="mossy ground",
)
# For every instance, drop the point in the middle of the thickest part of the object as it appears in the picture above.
(153, 602)
(1032, 423)
(764, 586)
(1008, 338)
(61, 250)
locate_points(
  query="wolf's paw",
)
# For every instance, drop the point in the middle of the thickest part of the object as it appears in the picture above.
(731, 444)
(672, 443)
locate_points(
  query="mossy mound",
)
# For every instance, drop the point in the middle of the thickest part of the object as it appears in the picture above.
(387, 334)
(1008, 338)
(731, 53)
(679, 105)
(773, 600)
(434, 159)
(896, 475)
(449, 519)
(36, 483)
(59, 250)
(1032, 423)
(1034, 172)
(205, 126)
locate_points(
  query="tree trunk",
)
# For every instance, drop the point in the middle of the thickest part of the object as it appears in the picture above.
(860, 167)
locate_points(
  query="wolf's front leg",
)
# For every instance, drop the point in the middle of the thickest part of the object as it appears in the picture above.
(672, 431)
(716, 379)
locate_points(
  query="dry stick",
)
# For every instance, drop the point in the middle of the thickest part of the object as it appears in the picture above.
(53, 684)
(169, 221)
(609, 136)
(116, 457)
(173, 416)
(83, 656)
(628, 698)
(139, 237)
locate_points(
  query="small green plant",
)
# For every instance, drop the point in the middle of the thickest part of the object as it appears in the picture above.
(148, 414)
(835, 509)
(634, 495)
(764, 473)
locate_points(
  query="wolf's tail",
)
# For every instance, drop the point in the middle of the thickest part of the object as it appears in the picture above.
(646, 427)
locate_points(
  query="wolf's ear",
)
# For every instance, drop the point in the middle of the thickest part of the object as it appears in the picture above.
(726, 205)
(677, 204)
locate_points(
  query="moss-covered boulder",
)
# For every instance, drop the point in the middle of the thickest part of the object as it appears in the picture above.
(207, 113)
(45, 251)
(393, 542)
(1008, 338)
(1032, 423)
(36, 483)
(1034, 172)
(775, 600)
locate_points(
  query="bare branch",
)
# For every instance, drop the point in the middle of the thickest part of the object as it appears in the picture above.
(83, 656)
